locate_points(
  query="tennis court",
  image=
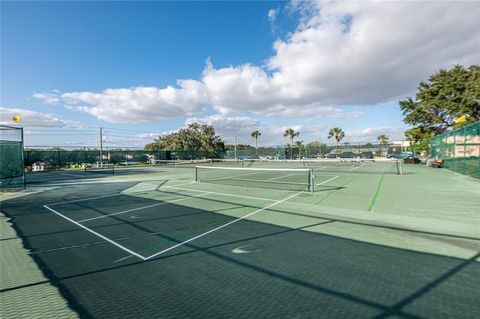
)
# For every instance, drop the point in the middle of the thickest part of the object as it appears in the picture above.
(269, 239)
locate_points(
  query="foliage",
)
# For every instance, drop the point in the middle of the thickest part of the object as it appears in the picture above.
(239, 146)
(255, 134)
(316, 148)
(337, 133)
(193, 137)
(447, 95)
(291, 134)
(383, 139)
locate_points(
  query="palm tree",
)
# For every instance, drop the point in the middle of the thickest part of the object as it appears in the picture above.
(291, 134)
(299, 144)
(383, 140)
(255, 134)
(338, 133)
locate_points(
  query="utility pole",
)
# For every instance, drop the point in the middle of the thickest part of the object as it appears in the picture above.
(101, 147)
(235, 147)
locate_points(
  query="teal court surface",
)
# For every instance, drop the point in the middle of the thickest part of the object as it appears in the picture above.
(260, 240)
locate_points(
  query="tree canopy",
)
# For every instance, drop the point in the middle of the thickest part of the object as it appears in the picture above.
(316, 148)
(447, 95)
(193, 137)
(337, 133)
(255, 134)
(383, 139)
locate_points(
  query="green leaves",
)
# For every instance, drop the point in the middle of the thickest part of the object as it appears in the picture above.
(447, 95)
(194, 137)
(336, 132)
(383, 139)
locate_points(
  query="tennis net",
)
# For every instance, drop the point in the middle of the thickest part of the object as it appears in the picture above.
(182, 163)
(299, 179)
(349, 166)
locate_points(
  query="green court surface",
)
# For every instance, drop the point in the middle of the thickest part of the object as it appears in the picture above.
(153, 243)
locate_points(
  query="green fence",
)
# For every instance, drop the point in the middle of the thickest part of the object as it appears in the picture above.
(459, 149)
(59, 158)
(317, 150)
(12, 174)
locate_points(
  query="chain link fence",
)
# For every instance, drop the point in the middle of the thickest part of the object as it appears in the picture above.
(459, 149)
(12, 174)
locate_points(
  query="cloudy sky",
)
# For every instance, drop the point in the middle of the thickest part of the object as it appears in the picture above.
(142, 69)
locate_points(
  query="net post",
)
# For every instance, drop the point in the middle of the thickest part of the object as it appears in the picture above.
(23, 159)
(196, 173)
(399, 165)
(311, 180)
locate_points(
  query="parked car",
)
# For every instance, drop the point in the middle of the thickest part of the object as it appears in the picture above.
(399, 155)
(366, 155)
(347, 155)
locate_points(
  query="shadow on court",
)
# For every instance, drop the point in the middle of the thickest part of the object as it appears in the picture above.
(248, 269)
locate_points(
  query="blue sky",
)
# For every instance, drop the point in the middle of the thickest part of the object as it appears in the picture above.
(241, 66)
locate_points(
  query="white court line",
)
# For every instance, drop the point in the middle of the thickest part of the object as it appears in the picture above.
(217, 193)
(274, 178)
(352, 169)
(140, 208)
(106, 196)
(328, 180)
(222, 226)
(97, 234)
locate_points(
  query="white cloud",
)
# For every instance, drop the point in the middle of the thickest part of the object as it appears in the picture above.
(241, 127)
(138, 104)
(32, 118)
(272, 15)
(48, 98)
(370, 134)
(341, 53)
(350, 53)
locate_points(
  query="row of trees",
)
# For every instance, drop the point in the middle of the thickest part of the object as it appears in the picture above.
(337, 133)
(203, 138)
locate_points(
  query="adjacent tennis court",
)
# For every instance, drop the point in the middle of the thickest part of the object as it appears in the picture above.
(247, 238)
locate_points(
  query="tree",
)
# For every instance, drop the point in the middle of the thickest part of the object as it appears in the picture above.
(194, 137)
(315, 148)
(299, 144)
(383, 140)
(338, 134)
(291, 134)
(447, 95)
(255, 134)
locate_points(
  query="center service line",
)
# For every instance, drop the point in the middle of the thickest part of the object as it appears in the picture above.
(222, 226)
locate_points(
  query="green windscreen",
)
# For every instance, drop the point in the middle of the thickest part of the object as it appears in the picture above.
(11, 158)
(459, 149)
(338, 166)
